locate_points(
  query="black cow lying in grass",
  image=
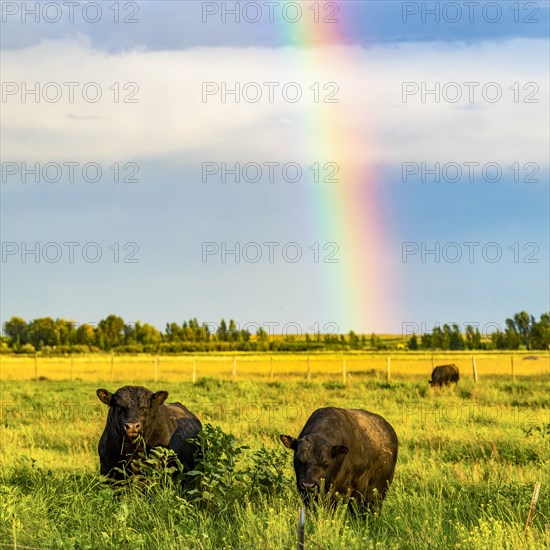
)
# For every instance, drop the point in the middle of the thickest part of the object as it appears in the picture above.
(139, 420)
(444, 374)
(352, 450)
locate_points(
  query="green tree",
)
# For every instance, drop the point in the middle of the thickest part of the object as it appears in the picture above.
(193, 330)
(426, 341)
(233, 333)
(204, 333)
(511, 335)
(110, 332)
(173, 332)
(221, 333)
(85, 335)
(261, 335)
(16, 330)
(66, 331)
(498, 340)
(472, 337)
(524, 323)
(446, 337)
(456, 342)
(129, 331)
(375, 341)
(43, 332)
(413, 343)
(354, 340)
(147, 335)
(437, 340)
(540, 333)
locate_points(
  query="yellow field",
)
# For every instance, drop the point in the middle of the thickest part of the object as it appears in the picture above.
(122, 368)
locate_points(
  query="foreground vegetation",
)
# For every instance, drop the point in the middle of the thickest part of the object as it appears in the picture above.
(468, 460)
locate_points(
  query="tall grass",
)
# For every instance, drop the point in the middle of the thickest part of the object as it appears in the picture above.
(468, 459)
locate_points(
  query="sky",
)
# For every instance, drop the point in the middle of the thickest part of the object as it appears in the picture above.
(301, 166)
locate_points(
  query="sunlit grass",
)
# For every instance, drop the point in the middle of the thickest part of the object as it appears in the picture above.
(468, 459)
(265, 366)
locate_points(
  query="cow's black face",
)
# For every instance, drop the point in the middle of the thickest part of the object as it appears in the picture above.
(315, 459)
(132, 409)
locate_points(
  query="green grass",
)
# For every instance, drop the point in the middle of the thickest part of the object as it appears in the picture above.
(468, 460)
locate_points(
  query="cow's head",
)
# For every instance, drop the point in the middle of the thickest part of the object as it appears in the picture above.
(315, 459)
(132, 409)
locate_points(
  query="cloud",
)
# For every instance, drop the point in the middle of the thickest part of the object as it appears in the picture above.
(82, 117)
(174, 25)
(93, 105)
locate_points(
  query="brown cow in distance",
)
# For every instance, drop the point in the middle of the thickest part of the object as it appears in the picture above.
(444, 374)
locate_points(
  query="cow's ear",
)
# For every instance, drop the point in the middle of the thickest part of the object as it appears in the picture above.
(104, 396)
(288, 441)
(339, 450)
(160, 397)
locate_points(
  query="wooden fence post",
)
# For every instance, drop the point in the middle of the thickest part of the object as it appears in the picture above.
(474, 368)
(194, 371)
(234, 368)
(512, 367)
(301, 527)
(433, 362)
(532, 506)
(36, 367)
(72, 367)
(271, 367)
(156, 367)
(308, 368)
(388, 369)
(112, 365)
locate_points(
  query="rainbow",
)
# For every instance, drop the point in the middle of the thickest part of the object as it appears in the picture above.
(350, 212)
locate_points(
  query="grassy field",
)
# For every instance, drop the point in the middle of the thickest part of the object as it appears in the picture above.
(281, 366)
(468, 460)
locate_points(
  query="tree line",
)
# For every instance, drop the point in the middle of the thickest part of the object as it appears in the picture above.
(45, 334)
(522, 332)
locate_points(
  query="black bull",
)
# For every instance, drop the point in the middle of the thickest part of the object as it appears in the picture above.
(353, 450)
(138, 417)
(444, 374)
